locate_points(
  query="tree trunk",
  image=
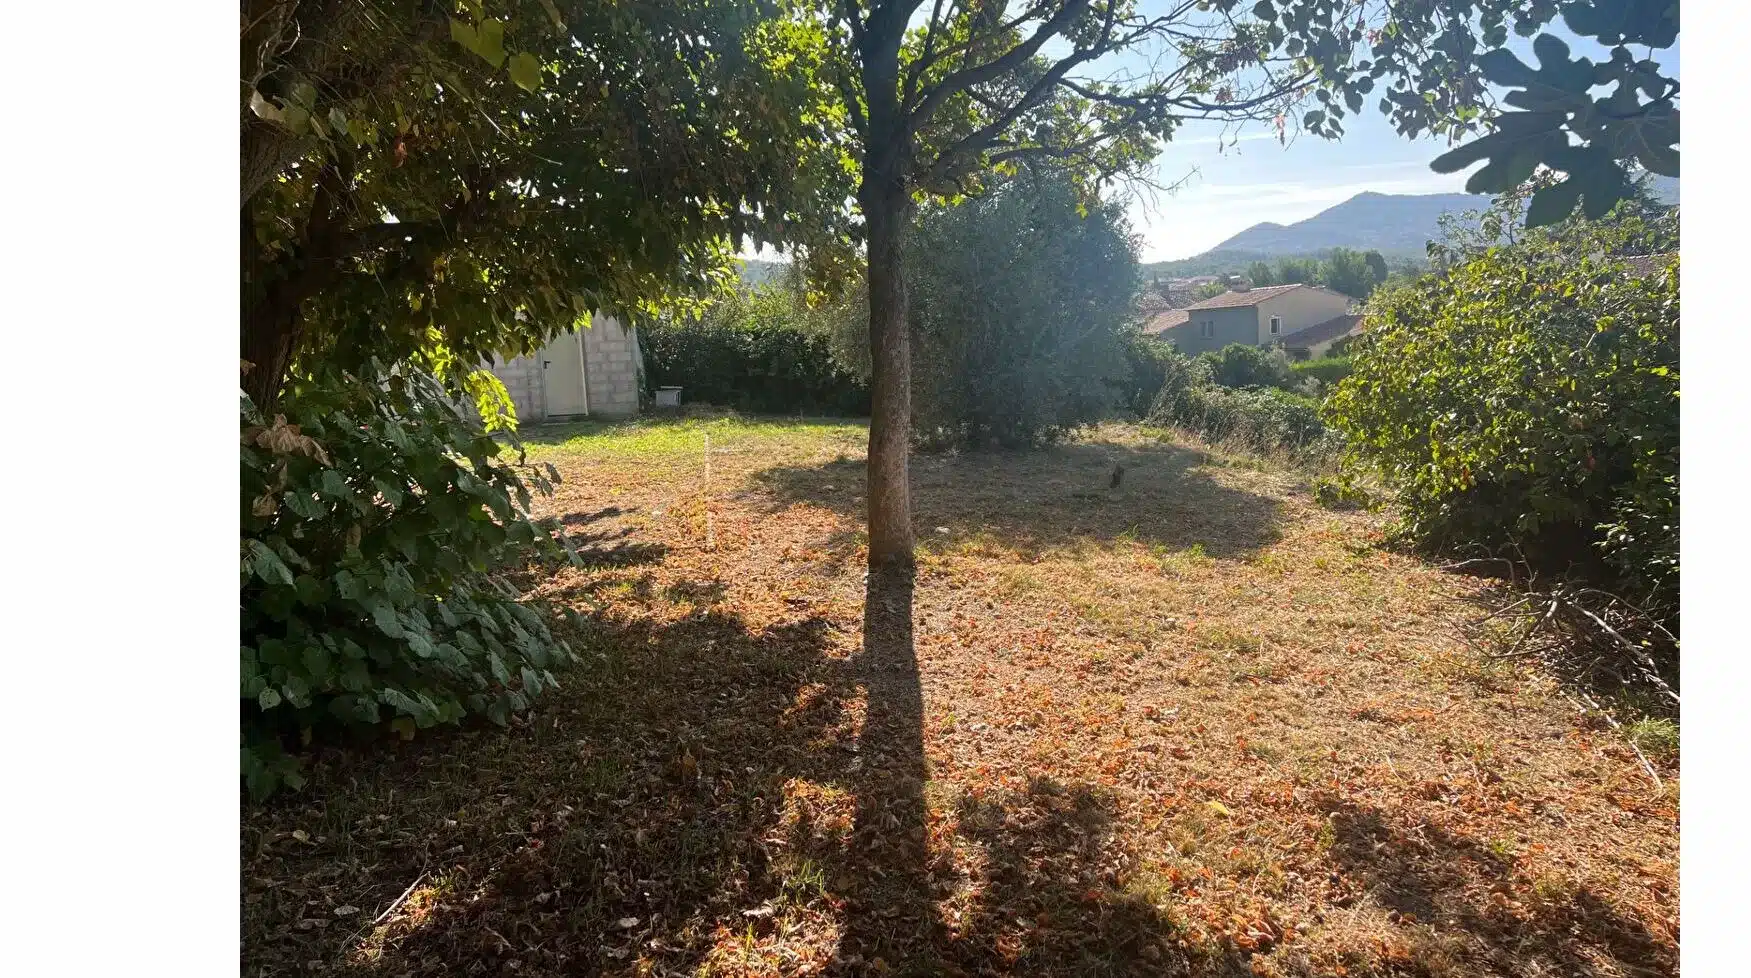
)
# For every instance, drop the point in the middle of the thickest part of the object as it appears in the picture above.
(890, 422)
(269, 341)
(885, 200)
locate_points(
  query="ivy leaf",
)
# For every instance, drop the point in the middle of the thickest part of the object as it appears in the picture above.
(526, 71)
(269, 698)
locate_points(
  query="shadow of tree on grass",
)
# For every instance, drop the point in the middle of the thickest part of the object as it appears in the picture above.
(1038, 500)
(1461, 888)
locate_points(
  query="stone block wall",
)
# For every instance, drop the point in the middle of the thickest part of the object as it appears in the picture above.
(522, 378)
(611, 366)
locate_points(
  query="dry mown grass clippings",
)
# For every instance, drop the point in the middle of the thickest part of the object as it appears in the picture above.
(1194, 725)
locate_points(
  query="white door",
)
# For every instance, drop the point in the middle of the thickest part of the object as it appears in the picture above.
(562, 375)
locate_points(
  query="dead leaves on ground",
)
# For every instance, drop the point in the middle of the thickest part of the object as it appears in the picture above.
(1207, 770)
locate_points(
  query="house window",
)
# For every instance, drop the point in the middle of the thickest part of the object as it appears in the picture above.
(1276, 325)
(1207, 328)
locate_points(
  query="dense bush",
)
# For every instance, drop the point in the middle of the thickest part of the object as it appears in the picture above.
(1020, 305)
(1149, 360)
(1527, 401)
(1261, 419)
(1326, 370)
(761, 351)
(1243, 365)
(376, 516)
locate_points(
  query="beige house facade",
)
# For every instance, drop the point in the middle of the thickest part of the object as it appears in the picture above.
(584, 372)
(1254, 316)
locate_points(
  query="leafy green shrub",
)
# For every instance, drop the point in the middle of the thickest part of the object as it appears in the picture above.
(1241, 365)
(759, 351)
(1326, 370)
(1149, 360)
(1527, 398)
(1264, 419)
(376, 518)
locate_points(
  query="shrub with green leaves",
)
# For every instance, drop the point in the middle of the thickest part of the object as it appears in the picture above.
(377, 519)
(761, 351)
(1262, 419)
(1242, 365)
(1526, 402)
(1326, 370)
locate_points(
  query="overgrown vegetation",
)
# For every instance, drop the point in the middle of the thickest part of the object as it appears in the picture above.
(1243, 365)
(377, 521)
(1327, 370)
(1524, 405)
(763, 351)
(1020, 315)
(1237, 397)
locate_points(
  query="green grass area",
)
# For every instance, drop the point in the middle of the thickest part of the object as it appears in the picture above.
(668, 439)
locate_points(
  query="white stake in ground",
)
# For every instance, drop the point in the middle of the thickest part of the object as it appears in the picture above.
(708, 535)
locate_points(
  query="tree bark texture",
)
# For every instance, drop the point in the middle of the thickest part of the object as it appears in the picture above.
(885, 200)
(890, 423)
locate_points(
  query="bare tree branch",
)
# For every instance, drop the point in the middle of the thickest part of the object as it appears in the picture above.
(997, 67)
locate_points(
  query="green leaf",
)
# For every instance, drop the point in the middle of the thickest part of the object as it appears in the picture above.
(526, 71)
(553, 14)
(1503, 68)
(490, 41)
(267, 565)
(295, 118)
(269, 698)
(383, 613)
(464, 34)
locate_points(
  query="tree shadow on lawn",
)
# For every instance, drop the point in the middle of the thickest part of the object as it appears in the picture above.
(599, 542)
(706, 795)
(1460, 887)
(1052, 497)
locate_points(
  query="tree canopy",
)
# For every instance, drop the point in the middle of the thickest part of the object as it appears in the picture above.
(475, 177)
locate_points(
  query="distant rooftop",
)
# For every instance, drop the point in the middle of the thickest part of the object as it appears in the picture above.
(1331, 329)
(1234, 300)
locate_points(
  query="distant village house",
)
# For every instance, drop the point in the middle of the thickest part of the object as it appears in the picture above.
(1306, 320)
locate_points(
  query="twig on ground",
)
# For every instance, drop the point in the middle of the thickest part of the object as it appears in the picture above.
(399, 900)
(1646, 766)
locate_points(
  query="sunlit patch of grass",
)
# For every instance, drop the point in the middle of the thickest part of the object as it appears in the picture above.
(1017, 581)
(675, 439)
(1227, 639)
(1656, 736)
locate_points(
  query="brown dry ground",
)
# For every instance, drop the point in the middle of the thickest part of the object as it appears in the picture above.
(1195, 725)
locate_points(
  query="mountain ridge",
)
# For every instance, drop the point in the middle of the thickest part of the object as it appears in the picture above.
(1387, 223)
(1399, 226)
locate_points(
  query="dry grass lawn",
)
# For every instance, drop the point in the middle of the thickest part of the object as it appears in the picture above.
(1195, 725)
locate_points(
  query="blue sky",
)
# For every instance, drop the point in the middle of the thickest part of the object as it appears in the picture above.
(1232, 187)
(1239, 177)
